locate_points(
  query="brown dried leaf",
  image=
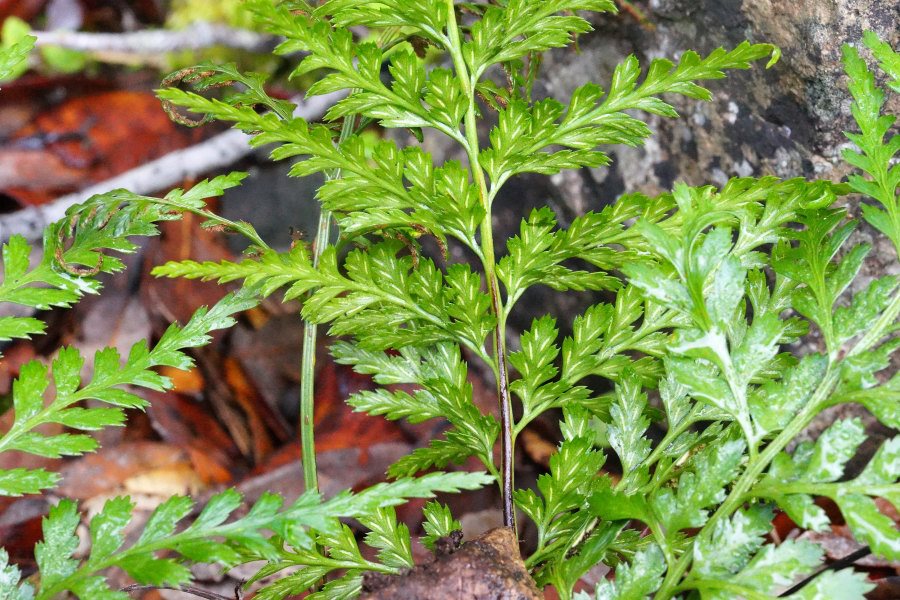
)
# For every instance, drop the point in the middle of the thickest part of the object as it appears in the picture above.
(337, 469)
(111, 470)
(188, 382)
(839, 543)
(87, 139)
(188, 424)
(885, 589)
(538, 448)
(177, 299)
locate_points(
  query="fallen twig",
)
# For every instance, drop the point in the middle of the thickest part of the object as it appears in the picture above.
(167, 171)
(187, 589)
(847, 561)
(150, 42)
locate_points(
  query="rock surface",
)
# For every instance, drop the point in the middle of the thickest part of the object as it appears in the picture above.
(787, 121)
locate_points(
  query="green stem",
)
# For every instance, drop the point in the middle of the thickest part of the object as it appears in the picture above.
(660, 477)
(663, 543)
(314, 559)
(739, 392)
(308, 359)
(829, 490)
(877, 331)
(545, 549)
(489, 263)
(737, 590)
(754, 469)
(670, 436)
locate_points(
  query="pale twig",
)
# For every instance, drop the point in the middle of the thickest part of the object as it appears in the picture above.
(152, 42)
(167, 171)
(187, 589)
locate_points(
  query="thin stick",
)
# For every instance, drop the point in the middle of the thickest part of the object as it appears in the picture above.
(151, 42)
(310, 331)
(187, 589)
(167, 171)
(847, 561)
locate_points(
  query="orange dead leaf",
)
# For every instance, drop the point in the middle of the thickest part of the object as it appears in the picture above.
(185, 382)
(87, 139)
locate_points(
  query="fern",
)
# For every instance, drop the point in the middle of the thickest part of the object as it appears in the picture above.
(695, 313)
(74, 254)
(706, 289)
(12, 57)
(214, 536)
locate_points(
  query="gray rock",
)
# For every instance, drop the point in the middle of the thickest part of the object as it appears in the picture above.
(787, 121)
